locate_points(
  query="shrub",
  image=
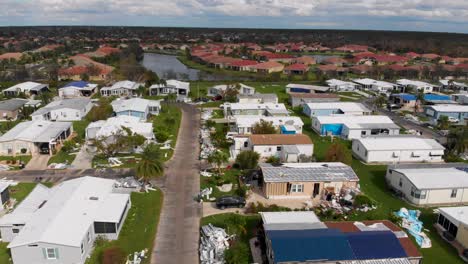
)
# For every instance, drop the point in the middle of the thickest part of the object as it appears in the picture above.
(247, 159)
(162, 136)
(273, 160)
(237, 253)
(113, 255)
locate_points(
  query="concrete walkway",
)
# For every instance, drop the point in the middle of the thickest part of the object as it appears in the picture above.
(38, 162)
(83, 159)
(178, 231)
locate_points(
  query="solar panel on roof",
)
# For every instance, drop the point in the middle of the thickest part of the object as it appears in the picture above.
(375, 245)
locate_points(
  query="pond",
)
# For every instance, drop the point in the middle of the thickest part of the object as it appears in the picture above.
(169, 67)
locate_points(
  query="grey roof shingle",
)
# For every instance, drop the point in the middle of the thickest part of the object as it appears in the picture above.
(12, 104)
(308, 172)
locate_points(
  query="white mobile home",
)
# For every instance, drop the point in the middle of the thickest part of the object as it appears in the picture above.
(351, 127)
(374, 85)
(288, 148)
(114, 125)
(417, 85)
(338, 85)
(137, 107)
(266, 109)
(285, 124)
(396, 149)
(335, 108)
(36, 137)
(64, 110)
(68, 220)
(77, 89)
(430, 184)
(181, 89)
(257, 98)
(454, 220)
(122, 88)
(27, 88)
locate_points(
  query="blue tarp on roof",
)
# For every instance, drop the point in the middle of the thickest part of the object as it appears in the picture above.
(375, 245)
(79, 84)
(285, 131)
(406, 97)
(436, 97)
(314, 244)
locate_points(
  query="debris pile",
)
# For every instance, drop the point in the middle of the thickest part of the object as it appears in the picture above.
(207, 115)
(114, 162)
(128, 182)
(58, 166)
(137, 257)
(410, 221)
(207, 146)
(213, 242)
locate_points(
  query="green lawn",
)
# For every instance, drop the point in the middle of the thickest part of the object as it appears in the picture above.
(62, 157)
(168, 121)
(15, 161)
(139, 229)
(243, 226)
(229, 176)
(80, 128)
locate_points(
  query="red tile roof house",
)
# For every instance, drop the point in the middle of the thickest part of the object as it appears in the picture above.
(82, 63)
(352, 48)
(430, 57)
(220, 62)
(278, 57)
(296, 68)
(242, 65)
(11, 55)
(413, 55)
(267, 67)
(307, 60)
(337, 61)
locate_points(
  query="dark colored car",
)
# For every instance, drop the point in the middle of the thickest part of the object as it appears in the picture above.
(230, 201)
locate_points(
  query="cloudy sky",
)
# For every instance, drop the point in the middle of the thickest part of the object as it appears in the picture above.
(418, 15)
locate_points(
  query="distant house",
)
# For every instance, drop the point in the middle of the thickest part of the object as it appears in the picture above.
(16, 56)
(288, 148)
(219, 90)
(430, 184)
(4, 196)
(257, 98)
(113, 125)
(11, 108)
(306, 180)
(122, 88)
(299, 99)
(305, 88)
(242, 65)
(27, 88)
(296, 68)
(136, 107)
(457, 113)
(374, 85)
(84, 65)
(400, 148)
(77, 89)
(454, 86)
(351, 127)
(300, 237)
(93, 206)
(263, 109)
(64, 110)
(338, 85)
(36, 137)
(334, 108)
(417, 85)
(267, 67)
(285, 124)
(179, 88)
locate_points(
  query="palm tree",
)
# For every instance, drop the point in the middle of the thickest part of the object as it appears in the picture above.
(151, 164)
(218, 158)
(444, 122)
(419, 101)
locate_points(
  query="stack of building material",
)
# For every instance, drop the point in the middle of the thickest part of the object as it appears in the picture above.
(213, 242)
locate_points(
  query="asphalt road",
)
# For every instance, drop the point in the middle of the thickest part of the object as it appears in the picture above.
(401, 121)
(178, 231)
(62, 175)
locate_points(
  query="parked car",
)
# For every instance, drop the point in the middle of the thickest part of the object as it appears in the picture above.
(230, 201)
(230, 135)
(453, 119)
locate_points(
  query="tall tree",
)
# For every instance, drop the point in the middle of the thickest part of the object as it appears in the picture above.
(264, 127)
(218, 158)
(247, 159)
(151, 164)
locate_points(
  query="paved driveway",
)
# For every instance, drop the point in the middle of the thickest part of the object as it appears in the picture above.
(84, 158)
(178, 231)
(38, 162)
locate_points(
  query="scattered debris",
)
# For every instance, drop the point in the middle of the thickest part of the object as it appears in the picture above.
(225, 187)
(206, 193)
(137, 257)
(207, 115)
(410, 221)
(58, 166)
(9, 182)
(114, 162)
(4, 167)
(213, 242)
(128, 182)
(206, 173)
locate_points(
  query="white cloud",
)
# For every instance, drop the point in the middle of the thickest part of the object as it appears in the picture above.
(83, 11)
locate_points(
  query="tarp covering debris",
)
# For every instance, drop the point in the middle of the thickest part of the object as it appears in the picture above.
(414, 226)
